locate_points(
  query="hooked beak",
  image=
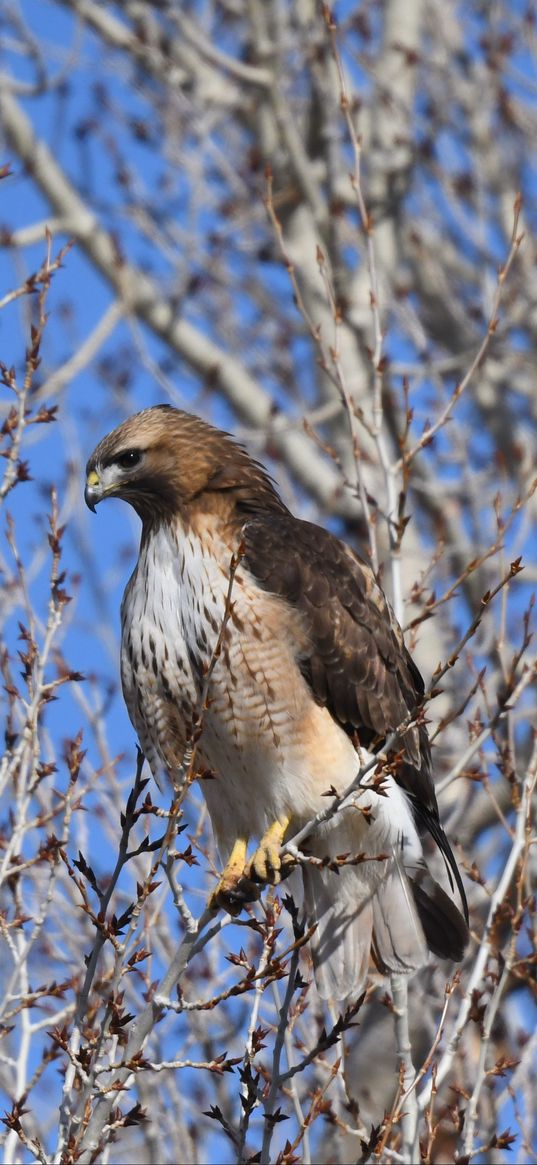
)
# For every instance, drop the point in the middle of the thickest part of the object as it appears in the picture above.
(93, 491)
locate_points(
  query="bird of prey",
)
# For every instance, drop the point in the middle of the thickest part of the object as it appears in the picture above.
(311, 679)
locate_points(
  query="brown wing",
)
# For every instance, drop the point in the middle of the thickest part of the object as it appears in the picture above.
(357, 664)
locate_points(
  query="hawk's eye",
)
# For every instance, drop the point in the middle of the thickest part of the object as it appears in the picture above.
(129, 459)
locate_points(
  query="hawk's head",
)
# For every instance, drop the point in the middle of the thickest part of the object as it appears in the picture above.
(162, 459)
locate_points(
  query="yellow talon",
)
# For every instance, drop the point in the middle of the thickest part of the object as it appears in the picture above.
(234, 888)
(266, 863)
(240, 880)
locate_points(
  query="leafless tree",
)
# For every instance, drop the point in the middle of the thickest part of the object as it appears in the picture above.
(315, 227)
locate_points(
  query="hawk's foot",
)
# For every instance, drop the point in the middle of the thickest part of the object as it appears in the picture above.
(235, 888)
(266, 865)
(241, 880)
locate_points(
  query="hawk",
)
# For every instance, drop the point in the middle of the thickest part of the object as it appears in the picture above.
(311, 678)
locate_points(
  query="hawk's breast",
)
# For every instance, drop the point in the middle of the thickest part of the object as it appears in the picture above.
(159, 683)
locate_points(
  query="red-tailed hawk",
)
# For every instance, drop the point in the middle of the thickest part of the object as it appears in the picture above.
(312, 673)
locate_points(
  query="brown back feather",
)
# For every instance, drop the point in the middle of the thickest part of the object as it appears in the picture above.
(357, 664)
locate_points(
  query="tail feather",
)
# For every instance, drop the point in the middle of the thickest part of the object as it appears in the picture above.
(444, 927)
(393, 910)
(341, 943)
(399, 943)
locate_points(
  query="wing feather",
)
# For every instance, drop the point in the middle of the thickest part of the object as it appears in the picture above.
(356, 662)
